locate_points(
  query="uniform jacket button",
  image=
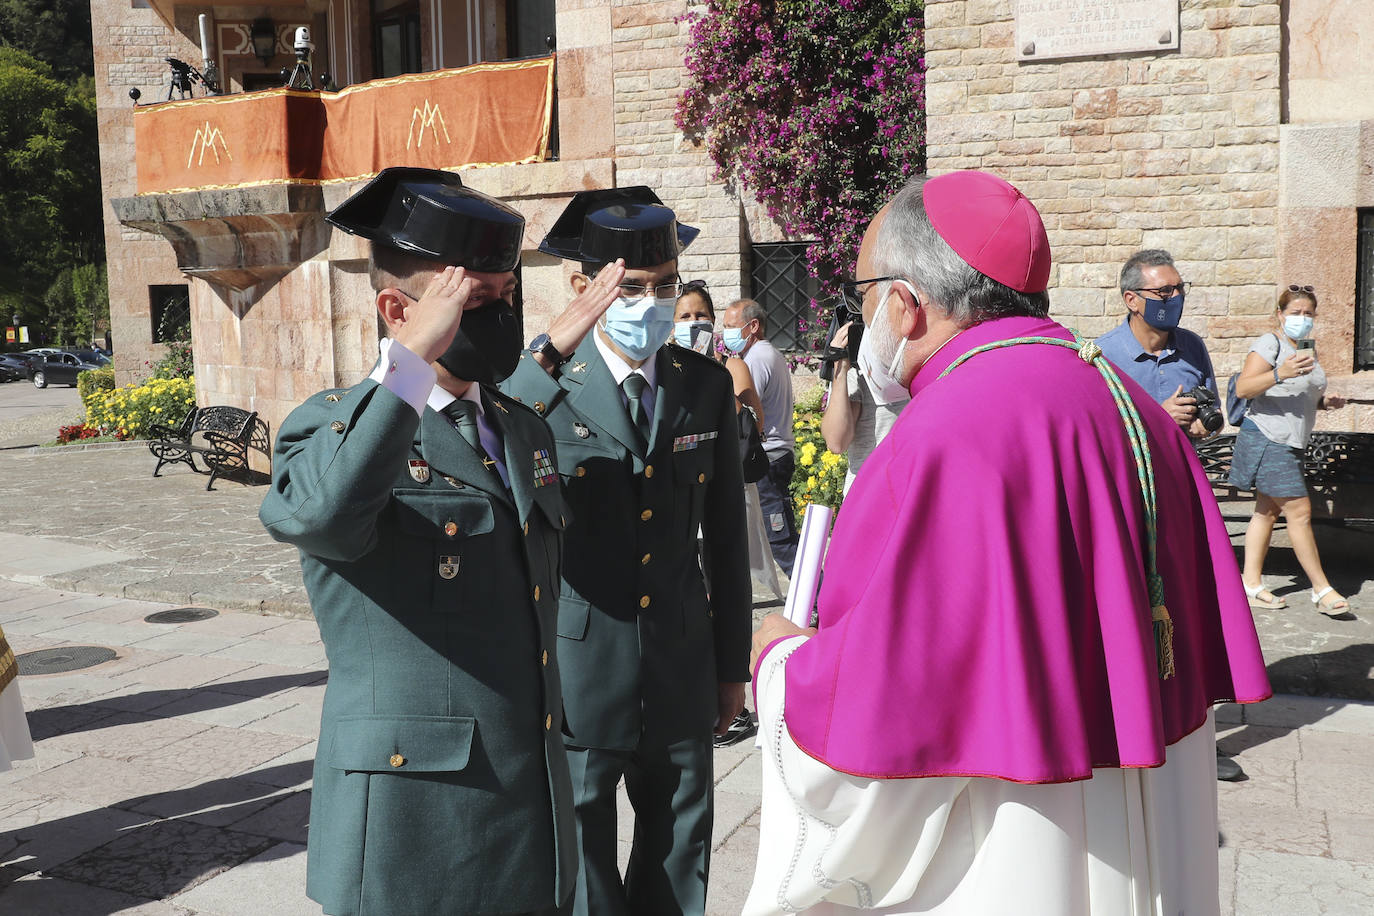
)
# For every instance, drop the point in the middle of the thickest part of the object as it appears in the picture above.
(337, 426)
(548, 722)
(701, 478)
(539, 406)
(536, 593)
(646, 515)
(644, 601)
(544, 658)
(397, 760)
(648, 470)
(644, 560)
(451, 528)
(581, 471)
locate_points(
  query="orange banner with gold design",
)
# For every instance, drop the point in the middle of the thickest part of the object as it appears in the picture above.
(486, 114)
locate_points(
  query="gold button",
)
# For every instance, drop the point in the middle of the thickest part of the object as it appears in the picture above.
(644, 601)
(701, 478)
(527, 527)
(648, 470)
(544, 659)
(646, 515)
(331, 397)
(581, 471)
(397, 760)
(548, 722)
(450, 528)
(536, 593)
(539, 406)
(644, 560)
(337, 426)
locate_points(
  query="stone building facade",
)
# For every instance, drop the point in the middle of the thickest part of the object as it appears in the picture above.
(1248, 153)
(279, 303)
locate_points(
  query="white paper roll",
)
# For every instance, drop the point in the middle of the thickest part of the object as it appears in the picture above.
(806, 570)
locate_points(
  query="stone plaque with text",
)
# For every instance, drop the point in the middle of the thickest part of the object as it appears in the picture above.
(1048, 29)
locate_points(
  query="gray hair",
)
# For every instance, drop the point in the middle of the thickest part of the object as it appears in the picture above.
(1131, 276)
(749, 310)
(908, 246)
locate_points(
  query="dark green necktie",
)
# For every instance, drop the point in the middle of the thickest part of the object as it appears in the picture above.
(633, 387)
(464, 416)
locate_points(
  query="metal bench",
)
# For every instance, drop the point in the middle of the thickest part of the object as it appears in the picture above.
(1338, 467)
(220, 436)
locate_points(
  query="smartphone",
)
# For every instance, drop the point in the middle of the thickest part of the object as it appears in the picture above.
(703, 340)
(1306, 343)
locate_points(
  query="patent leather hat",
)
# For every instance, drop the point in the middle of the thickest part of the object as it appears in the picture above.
(428, 212)
(631, 223)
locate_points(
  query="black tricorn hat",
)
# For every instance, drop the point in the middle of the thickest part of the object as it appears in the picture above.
(429, 213)
(631, 223)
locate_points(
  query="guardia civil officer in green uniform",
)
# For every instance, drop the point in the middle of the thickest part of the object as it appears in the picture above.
(428, 513)
(651, 664)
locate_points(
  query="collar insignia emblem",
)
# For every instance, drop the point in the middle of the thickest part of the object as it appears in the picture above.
(419, 470)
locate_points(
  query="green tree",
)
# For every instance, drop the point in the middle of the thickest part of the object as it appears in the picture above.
(57, 32)
(50, 201)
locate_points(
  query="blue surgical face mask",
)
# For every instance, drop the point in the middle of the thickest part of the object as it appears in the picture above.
(1297, 326)
(733, 338)
(685, 332)
(1163, 314)
(639, 326)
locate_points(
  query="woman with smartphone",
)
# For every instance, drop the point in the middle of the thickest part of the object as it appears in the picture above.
(1286, 387)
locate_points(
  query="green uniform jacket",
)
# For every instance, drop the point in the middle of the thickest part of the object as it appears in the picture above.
(441, 784)
(640, 644)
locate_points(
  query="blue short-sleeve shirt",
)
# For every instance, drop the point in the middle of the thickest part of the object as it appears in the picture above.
(1183, 361)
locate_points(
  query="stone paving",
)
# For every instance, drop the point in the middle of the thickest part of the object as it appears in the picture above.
(174, 779)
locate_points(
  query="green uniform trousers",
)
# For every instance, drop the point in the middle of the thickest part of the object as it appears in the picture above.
(670, 791)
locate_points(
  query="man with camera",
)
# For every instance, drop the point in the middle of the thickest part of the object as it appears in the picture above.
(855, 419)
(1169, 362)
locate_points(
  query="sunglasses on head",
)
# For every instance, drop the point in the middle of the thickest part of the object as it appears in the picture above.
(692, 286)
(1294, 288)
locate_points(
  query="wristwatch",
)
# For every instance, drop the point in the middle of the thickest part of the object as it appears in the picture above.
(1277, 380)
(545, 348)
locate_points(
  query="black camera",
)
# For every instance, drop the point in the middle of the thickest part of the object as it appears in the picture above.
(843, 313)
(1208, 407)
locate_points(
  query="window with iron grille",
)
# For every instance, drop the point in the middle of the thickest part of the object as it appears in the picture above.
(170, 310)
(1364, 291)
(779, 282)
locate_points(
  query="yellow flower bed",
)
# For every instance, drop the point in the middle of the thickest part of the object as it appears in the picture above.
(128, 412)
(819, 477)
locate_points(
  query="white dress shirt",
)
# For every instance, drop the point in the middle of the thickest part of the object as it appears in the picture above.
(620, 370)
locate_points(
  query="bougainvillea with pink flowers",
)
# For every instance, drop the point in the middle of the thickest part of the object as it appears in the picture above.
(816, 108)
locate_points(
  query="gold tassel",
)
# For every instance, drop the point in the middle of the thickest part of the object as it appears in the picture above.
(1164, 640)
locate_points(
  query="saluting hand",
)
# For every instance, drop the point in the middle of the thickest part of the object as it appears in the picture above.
(571, 326)
(429, 324)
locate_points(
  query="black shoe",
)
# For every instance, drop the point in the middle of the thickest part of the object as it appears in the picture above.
(1228, 770)
(741, 727)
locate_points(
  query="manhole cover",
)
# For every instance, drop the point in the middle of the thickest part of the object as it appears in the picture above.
(181, 615)
(67, 658)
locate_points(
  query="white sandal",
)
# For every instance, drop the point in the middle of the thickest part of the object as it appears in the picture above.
(1339, 606)
(1272, 603)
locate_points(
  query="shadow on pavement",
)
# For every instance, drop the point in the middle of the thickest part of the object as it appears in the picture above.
(155, 846)
(79, 717)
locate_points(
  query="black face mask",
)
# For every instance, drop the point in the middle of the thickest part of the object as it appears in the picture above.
(487, 345)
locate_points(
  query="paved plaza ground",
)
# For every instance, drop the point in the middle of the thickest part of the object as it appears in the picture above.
(174, 779)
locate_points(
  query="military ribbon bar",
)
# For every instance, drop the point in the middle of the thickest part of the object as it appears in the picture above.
(687, 443)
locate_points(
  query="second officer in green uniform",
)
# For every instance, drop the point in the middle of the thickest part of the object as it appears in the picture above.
(652, 664)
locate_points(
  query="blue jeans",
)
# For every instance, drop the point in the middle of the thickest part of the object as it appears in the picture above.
(775, 498)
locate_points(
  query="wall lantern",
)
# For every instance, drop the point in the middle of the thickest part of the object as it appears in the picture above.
(264, 38)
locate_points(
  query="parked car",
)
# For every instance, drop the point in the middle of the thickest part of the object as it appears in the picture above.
(13, 367)
(58, 369)
(86, 354)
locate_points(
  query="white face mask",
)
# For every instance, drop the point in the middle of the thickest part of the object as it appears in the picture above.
(880, 357)
(1297, 326)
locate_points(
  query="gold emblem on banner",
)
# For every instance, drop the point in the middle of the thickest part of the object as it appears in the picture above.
(429, 117)
(207, 138)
